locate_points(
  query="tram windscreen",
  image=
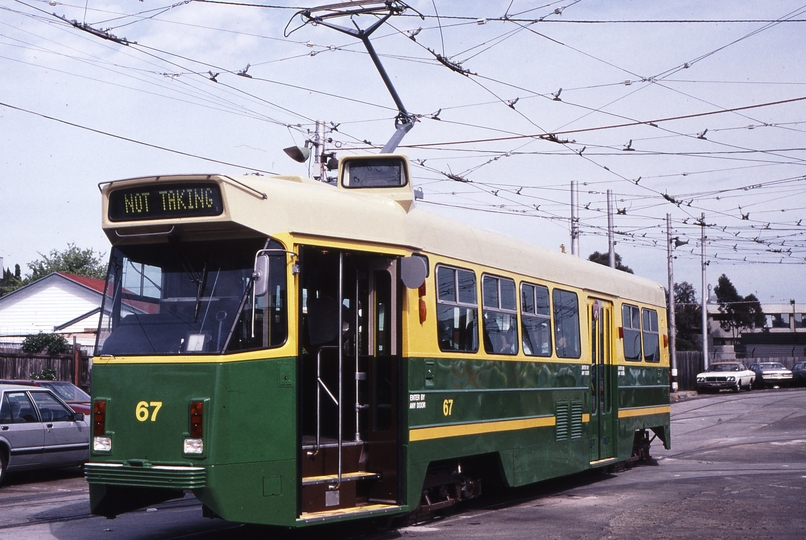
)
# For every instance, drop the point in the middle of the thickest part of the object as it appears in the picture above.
(190, 298)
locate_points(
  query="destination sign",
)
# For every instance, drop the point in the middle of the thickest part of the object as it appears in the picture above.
(165, 201)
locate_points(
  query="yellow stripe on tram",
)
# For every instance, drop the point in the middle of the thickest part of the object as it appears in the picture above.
(479, 428)
(644, 411)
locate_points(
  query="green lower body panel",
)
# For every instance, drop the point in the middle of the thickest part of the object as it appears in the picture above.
(261, 493)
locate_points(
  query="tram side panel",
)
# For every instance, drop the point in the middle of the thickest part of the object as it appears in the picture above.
(521, 417)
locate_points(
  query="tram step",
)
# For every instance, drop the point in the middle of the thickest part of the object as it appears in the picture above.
(365, 510)
(345, 477)
(325, 461)
(324, 492)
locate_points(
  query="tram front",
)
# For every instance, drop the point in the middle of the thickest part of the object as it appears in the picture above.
(194, 374)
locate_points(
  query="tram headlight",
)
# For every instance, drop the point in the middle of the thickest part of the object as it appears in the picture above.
(194, 446)
(102, 444)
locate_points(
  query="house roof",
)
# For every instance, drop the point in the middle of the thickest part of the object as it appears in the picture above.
(54, 303)
(95, 284)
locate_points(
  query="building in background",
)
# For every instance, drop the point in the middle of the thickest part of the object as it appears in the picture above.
(783, 336)
(59, 303)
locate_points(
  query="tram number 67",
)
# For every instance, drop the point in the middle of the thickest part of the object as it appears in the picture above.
(447, 407)
(142, 410)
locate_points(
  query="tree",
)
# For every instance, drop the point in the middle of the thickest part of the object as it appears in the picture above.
(687, 317)
(73, 260)
(737, 312)
(10, 282)
(604, 259)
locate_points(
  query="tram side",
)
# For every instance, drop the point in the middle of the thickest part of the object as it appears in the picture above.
(285, 364)
(516, 378)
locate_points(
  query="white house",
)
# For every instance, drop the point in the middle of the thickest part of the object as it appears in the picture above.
(59, 303)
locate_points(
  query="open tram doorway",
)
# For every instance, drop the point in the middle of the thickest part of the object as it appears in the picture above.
(349, 336)
(602, 380)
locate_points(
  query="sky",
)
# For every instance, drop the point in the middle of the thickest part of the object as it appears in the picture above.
(691, 109)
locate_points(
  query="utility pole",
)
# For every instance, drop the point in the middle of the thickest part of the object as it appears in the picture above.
(704, 294)
(672, 325)
(319, 146)
(574, 218)
(611, 250)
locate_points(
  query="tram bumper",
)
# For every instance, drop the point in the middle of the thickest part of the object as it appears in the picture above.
(116, 488)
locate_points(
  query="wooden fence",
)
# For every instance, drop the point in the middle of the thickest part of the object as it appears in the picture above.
(689, 363)
(73, 367)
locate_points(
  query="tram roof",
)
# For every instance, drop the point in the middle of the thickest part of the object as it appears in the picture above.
(304, 207)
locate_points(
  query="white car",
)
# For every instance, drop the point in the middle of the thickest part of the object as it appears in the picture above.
(730, 375)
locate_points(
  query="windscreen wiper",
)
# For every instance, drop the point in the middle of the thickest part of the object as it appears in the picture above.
(202, 281)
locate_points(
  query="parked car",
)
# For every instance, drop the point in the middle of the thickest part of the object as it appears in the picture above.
(771, 374)
(799, 374)
(38, 430)
(71, 394)
(730, 375)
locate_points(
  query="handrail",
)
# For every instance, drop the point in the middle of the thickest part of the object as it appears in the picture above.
(319, 385)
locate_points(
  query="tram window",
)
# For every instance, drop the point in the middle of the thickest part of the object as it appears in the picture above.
(535, 320)
(192, 298)
(631, 322)
(651, 336)
(500, 316)
(457, 310)
(566, 324)
(374, 173)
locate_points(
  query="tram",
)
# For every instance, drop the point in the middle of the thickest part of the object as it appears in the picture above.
(296, 353)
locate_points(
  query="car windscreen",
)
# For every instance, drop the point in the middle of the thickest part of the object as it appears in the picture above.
(67, 391)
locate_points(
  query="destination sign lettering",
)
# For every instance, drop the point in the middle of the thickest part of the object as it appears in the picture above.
(165, 201)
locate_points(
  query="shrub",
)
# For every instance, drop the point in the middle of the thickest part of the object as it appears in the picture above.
(53, 343)
(45, 375)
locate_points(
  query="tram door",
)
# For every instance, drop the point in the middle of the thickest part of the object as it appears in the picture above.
(349, 390)
(602, 436)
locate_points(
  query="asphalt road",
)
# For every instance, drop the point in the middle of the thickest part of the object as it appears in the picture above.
(737, 469)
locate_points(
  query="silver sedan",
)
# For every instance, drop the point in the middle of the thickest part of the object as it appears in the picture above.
(38, 430)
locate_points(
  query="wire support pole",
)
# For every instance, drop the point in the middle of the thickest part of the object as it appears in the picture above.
(611, 249)
(574, 218)
(672, 323)
(704, 294)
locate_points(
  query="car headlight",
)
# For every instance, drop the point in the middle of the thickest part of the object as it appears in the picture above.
(731, 378)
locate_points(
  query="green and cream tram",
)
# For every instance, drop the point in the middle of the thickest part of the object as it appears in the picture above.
(295, 353)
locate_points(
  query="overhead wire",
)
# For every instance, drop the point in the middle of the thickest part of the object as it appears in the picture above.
(526, 139)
